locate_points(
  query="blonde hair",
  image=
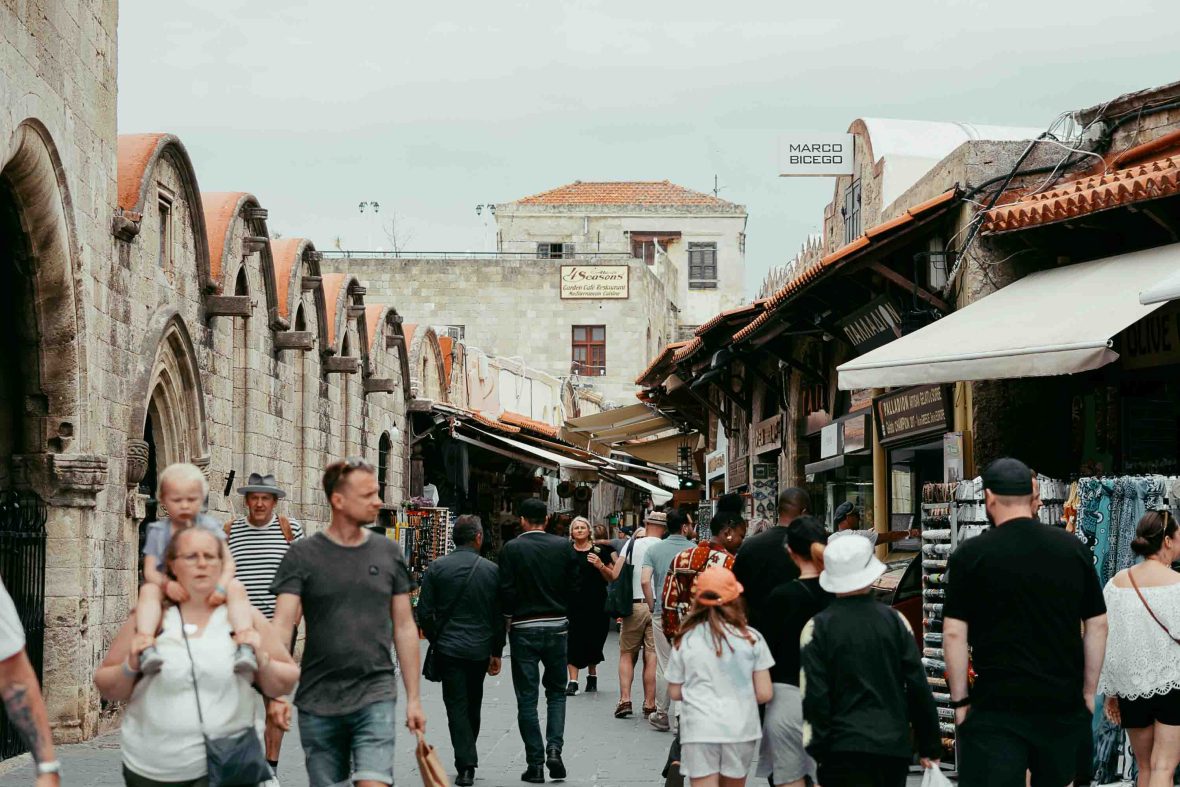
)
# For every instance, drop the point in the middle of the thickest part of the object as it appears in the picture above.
(581, 520)
(181, 473)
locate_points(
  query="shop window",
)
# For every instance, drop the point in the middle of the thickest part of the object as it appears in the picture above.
(165, 206)
(589, 349)
(851, 212)
(555, 251)
(702, 266)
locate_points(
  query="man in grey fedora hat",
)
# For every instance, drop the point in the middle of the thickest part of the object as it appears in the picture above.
(259, 541)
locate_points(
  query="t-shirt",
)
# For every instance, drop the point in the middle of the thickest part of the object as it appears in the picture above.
(347, 595)
(1023, 589)
(788, 608)
(159, 533)
(762, 564)
(659, 558)
(635, 555)
(12, 633)
(871, 535)
(719, 704)
(257, 553)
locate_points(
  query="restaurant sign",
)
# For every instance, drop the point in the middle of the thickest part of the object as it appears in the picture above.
(768, 434)
(912, 412)
(595, 282)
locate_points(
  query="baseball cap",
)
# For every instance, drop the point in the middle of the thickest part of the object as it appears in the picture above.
(716, 586)
(843, 510)
(1008, 476)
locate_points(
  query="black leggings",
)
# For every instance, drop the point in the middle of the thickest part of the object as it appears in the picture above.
(133, 779)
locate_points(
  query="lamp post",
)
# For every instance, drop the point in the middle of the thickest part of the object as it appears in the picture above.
(374, 207)
(487, 210)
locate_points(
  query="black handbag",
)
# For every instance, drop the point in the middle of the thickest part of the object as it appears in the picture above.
(234, 760)
(619, 596)
(429, 664)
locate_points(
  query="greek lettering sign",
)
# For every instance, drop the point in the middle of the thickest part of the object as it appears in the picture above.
(595, 282)
(768, 434)
(912, 412)
(873, 325)
(815, 153)
(1153, 341)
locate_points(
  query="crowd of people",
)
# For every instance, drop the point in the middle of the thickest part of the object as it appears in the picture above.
(769, 648)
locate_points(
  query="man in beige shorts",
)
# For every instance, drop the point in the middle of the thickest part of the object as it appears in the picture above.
(637, 630)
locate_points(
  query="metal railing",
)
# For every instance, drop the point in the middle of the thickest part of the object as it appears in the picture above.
(467, 255)
(22, 565)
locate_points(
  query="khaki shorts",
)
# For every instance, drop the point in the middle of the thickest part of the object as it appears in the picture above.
(637, 630)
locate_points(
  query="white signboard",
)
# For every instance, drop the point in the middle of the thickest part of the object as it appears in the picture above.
(585, 282)
(815, 153)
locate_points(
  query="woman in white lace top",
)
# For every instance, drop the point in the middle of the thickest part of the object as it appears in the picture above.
(1141, 674)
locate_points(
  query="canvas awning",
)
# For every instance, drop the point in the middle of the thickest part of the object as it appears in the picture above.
(599, 431)
(659, 495)
(664, 450)
(1166, 290)
(515, 449)
(1059, 321)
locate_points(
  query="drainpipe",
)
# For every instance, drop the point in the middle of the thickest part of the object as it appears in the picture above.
(880, 484)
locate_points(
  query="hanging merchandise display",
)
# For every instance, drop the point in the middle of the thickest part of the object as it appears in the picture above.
(426, 535)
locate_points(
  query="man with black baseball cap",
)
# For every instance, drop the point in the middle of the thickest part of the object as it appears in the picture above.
(1019, 594)
(846, 519)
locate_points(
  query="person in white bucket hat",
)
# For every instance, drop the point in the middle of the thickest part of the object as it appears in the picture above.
(863, 682)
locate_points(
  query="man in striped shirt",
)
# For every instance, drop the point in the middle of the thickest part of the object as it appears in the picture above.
(258, 542)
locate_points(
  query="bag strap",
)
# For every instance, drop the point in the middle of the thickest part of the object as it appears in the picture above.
(285, 526)
(229, 526)
(446, 616)
(1138, 592)
(192, 666)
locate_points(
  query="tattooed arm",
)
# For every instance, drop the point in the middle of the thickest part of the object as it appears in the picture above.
(26, 709)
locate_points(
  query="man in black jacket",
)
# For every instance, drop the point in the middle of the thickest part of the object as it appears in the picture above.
(538, 576)
(459, 611)
(762, 563)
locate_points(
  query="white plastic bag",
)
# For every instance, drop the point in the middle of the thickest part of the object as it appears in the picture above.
(934, 777)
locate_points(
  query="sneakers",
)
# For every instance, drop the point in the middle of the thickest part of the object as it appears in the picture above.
(554, 764)
(245, 662)
(591, 683)
(150, 660)
(659, 721)
(571, 688)
(534, 774)
(465, 777)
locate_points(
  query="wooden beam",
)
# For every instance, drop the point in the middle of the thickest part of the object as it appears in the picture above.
(798, 366)
(380, 385)
(1151, 214)
(228, 306)
(909, 286)
(294, 340)
(335, 364)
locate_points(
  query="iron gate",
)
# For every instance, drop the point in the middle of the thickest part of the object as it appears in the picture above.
(22, 568)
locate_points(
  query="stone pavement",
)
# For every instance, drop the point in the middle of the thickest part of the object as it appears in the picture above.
(600, 750)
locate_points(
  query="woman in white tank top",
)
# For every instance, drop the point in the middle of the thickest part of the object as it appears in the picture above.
(162, 737)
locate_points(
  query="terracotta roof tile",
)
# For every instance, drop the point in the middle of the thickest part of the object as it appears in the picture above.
(335, 288)
(528, 424)
(287, 254)
(635, 192)
(134, 156)
(445, 345)
(662, 357)
(375, 321)
(221, 208)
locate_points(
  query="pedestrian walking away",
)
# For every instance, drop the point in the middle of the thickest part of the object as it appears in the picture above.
(788, 609)
(762, 563)
(197, 694)
(258, 541)
(720, 671)
(21, 695)
(589, 621)
(729, 530)
(656, 563)
(863, 680)
(1141, 672)
(353, 587)
(459, 612)
(1018, 595)
(538, 578)
(637, 633)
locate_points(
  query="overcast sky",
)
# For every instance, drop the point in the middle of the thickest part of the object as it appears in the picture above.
(433, 108)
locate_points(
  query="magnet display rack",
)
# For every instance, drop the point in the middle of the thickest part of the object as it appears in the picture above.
(940, 536)
(428, 534)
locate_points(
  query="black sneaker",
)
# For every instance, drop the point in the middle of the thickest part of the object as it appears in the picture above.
(534, 774)
(465, 777)
(554, 764)
(591, 683)
(571, 688)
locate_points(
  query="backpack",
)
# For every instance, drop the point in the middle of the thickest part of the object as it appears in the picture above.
(284, 525)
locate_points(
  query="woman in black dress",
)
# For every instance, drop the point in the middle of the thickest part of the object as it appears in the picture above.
(588, 618)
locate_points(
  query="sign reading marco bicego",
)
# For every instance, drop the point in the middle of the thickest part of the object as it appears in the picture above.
(587, 282)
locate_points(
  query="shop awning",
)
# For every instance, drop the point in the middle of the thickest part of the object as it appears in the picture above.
(515, 449)
(599, 431)
(1054, 322)
(664, 450)
(659, 495)
(1166, 290)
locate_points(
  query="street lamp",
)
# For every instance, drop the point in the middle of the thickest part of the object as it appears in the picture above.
(374, 207)
(491, 209)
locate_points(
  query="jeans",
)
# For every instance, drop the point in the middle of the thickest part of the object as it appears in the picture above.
(462, 689)
(341, 749)
(533, 648)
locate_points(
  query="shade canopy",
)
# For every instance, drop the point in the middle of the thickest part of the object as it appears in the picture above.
(659, 495)
(515, 449)
(1054, 322)
(665, 450)
(1167, 290)
(599, 431)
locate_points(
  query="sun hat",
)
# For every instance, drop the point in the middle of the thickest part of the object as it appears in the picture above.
(658, 518)
(262, 483)
(721, 585)
(849, 565)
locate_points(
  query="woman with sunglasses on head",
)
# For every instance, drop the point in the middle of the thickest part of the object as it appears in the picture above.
(1141, 675)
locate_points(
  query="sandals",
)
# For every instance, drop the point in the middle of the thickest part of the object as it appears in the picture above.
(648, 711)
(624, 709)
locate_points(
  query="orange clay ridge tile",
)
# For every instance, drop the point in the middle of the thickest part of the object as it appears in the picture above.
(632, 192)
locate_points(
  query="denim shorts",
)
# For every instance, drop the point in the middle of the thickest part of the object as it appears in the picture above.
(339, 750)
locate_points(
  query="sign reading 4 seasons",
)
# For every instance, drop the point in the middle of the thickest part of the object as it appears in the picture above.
(595, 282)
(912, 412)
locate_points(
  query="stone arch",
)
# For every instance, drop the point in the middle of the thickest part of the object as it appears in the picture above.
(294, 259)
(342, 292)
(222, 210)
(427, 371)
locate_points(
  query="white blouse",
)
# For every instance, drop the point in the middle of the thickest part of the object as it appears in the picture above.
(1141, 659)
(161, 734)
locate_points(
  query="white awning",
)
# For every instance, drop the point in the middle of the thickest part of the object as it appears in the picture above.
(659, 496)
(1167, 290)
(665, 450)
(597, 432)
(1054, 322)
(515, 449)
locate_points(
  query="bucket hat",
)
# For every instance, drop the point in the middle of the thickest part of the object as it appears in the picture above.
(262, 483)
(849, 565)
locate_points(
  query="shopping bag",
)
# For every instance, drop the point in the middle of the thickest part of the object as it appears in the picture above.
(430, 766)
(934, 777)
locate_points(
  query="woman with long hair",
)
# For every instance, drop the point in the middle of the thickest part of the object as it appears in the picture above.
(587, 611)
(1141, 673)
(720, 672)
(788, 608)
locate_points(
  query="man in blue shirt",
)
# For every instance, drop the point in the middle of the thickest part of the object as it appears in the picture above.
(656, 562)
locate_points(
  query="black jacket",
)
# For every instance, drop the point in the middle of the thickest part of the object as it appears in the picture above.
(475, 628)
(863, 683)
(761, 565)
(538, 576)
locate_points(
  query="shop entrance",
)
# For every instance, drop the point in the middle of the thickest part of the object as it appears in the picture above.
(909, 468)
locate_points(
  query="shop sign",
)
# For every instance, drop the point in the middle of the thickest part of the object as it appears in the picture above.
(595, 282)
(829, 441)
(872, 326)
(912, 412)
(714, 463)
(768, 434)
(815, 153)
(739, 472)
(1153, 341)
(856, 431)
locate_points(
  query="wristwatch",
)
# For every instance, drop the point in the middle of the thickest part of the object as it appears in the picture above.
(47, 768)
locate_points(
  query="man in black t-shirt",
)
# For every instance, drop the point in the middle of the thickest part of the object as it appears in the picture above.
(762, 563)
(1022, 594)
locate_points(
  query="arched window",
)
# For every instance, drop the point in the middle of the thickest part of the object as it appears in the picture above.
(298, 417)
(241, 395)
(346, 402)
(384, 449)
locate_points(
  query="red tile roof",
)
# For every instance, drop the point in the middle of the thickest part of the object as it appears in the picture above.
(287, 254)
(375, 322)
(628, 192)
(528, 424)
(221, 208)
(335, 297)
(134, 155)
(1139, 183)
(445, 345)
(661, 358)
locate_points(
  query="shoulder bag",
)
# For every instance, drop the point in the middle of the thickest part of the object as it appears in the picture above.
(237, 759)
(620, 595)
(430, 665)
(1138, 592)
